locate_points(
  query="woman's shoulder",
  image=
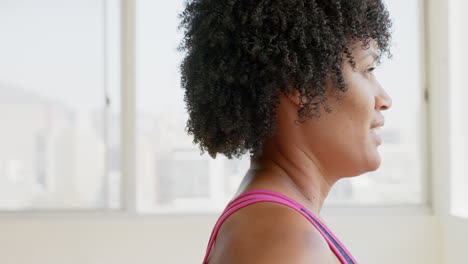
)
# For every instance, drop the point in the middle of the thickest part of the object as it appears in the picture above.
(267, 232)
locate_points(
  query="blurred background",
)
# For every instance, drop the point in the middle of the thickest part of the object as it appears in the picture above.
(95, 164)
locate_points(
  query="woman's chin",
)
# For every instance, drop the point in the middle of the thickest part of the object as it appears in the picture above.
(375, 161)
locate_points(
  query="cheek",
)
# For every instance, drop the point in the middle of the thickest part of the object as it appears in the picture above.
(343, 137)
(337, 136)
(353, 119)
(359, 110)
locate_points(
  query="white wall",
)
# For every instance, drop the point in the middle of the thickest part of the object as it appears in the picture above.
(455, 237)
(180, 240)
(454, 228)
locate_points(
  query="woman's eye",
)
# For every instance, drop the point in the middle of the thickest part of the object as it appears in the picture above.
(370, 69)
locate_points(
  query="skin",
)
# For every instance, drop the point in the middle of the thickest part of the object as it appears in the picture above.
(304, 161)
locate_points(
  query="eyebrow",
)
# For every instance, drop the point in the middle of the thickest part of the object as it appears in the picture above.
(371, 53)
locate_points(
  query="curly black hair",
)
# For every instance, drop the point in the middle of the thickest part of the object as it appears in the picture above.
(239, 54)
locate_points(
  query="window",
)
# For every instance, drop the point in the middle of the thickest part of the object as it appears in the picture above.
(171, 175)
(58, 105)
(60, 93)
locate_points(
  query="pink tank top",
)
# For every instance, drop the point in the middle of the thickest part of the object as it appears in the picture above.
(259, 195)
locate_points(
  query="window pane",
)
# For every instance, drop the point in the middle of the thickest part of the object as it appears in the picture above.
(56, 148)
(173, 177)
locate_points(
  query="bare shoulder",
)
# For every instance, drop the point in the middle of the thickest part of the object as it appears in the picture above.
(271, 233)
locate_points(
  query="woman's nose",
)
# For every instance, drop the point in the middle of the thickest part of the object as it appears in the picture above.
(383, 100)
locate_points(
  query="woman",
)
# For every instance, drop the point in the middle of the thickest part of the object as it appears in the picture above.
(290, 81)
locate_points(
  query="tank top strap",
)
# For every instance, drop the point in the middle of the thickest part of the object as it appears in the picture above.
(261, 195)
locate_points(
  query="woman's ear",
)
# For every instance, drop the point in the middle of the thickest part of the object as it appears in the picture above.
(294, 97)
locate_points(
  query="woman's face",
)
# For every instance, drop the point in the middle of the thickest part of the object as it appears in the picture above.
(343, 141)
